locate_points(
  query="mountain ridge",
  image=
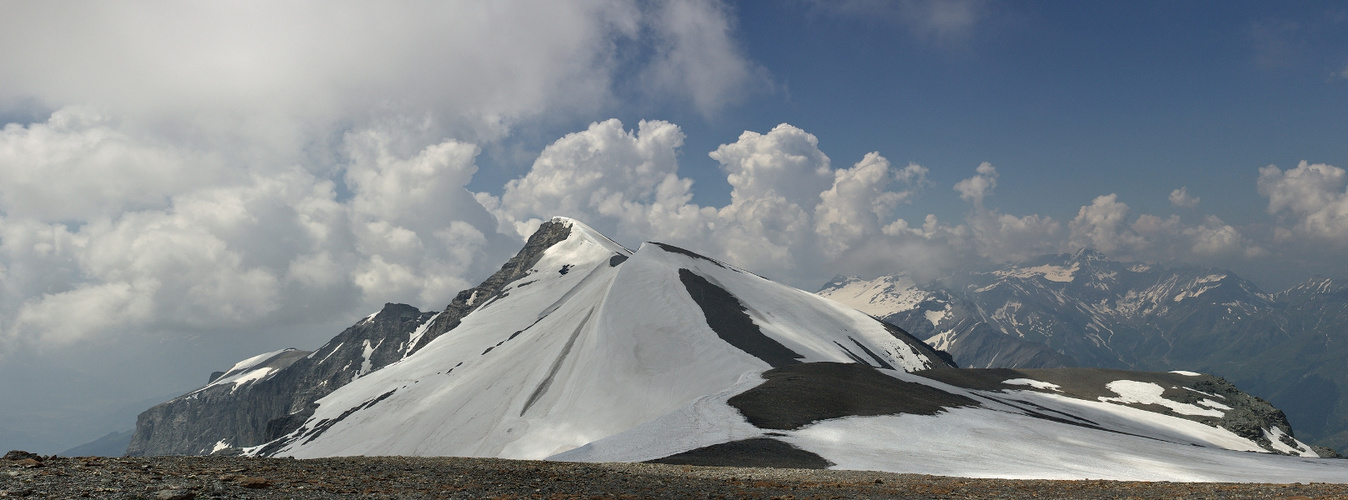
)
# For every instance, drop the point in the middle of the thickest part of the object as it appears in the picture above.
(1096, 312)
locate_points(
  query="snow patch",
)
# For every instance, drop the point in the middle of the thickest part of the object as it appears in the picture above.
(366, 366)
(1276, 436)
(1185, 373)
(1210, 403)
(424, 327)
(1132, 391)
(1037, 384)
(1050, 272)
(244, 372)
(935, 317)
(219, 445)
(942, 341)
(879, 297)
(957, 443)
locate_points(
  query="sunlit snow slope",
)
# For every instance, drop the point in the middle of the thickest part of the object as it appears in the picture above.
(593, 341)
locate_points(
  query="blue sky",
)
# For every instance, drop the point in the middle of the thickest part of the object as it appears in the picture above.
(1068, 99)
(183, 185)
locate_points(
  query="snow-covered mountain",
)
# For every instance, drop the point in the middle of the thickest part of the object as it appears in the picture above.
(581, 349)
(1085, 310)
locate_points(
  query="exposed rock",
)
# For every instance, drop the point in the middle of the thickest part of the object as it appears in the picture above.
(256, 483)
(175, 495)
(756, 452)
(20, 455)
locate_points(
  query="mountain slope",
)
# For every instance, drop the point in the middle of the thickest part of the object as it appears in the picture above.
(593, 340)
(1056, 424)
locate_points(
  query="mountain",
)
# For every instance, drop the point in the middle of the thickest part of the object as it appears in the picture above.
(1083, 309)
(581, 349)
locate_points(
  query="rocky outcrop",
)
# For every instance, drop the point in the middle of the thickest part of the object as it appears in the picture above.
(549, 234)
(220, 416)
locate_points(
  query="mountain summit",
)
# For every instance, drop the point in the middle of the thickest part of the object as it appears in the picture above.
(580, 349)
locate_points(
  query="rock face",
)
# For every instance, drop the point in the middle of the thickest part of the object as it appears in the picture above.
(1085, 310)
(270, 395)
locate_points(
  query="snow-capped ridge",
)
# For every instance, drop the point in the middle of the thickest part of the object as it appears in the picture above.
(254, 369)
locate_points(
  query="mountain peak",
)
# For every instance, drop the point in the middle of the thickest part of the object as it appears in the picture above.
(582, 230)
(1088, 254)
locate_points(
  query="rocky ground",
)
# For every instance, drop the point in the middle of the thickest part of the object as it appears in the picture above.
(32, 476)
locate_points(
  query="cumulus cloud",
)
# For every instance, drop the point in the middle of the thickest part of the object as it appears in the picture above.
(1182, 199)
(626, 183)
(220, 167)
(975, 188)
(859, 203)
(78, 165)
(795, 218)
(1104, 225)
(256, 252)
(605, 175)
(1101, 225)
(200, 262)
(1003, 237)
(785, 162)
(791, 216)
(1310, 198)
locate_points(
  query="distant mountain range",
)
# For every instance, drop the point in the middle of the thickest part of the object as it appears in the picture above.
(1083, 309)
(580, 349)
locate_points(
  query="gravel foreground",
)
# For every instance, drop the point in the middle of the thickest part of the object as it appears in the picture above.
(180, 478)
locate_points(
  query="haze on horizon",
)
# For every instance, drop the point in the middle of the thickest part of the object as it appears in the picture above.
(183, 185)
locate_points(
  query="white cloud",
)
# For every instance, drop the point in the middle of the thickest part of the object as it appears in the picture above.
(790, 217)
(1214, 238)
(1008, 238)
(975, 188)
(1182, 199)
(786, 161)
(604, 175)
(697, 56)
(859, 202)
(77, 165)
(222, 167)
(277, 248)
(1311, 198)
(1100, 225)
(273, 69)
(1103, 225)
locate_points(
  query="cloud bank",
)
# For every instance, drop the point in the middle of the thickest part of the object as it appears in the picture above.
(221, 166)
(256, 249)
